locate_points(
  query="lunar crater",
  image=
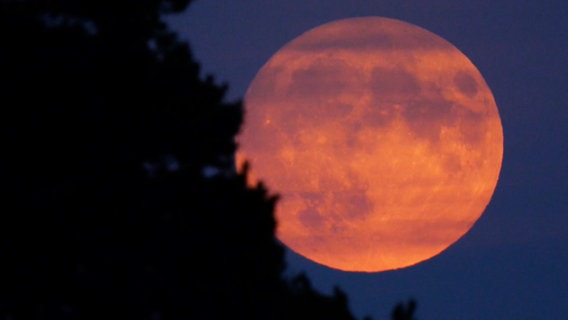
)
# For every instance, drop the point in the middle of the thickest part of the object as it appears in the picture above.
(466, 84)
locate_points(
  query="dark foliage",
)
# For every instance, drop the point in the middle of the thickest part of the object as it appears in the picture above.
(107, 129)
(404, 312)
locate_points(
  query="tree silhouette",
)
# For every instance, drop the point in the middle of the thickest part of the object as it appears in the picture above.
(118, 195)
(402, 312)
(117, 188)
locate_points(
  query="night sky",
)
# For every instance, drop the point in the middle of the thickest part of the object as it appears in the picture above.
(513, 262)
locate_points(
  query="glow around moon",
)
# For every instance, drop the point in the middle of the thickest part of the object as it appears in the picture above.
(383, 140)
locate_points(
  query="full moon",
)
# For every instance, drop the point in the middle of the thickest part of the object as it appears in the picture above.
(382, 139)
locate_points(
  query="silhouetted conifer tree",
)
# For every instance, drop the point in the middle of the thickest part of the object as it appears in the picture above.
(118, 197)
(404, 312)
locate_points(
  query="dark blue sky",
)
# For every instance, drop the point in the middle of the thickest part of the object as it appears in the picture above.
(513, 264)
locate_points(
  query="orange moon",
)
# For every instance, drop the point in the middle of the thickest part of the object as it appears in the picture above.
(383, 140)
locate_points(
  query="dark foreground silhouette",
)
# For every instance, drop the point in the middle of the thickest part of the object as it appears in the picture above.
(118, 196)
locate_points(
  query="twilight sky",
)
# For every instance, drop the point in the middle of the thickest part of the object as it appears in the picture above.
(512, 264)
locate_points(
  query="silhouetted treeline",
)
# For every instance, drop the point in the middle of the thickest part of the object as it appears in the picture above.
(118, 197)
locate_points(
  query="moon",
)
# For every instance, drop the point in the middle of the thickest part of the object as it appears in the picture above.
(383, 140)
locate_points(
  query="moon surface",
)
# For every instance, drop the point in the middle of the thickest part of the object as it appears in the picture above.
(382, 139)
